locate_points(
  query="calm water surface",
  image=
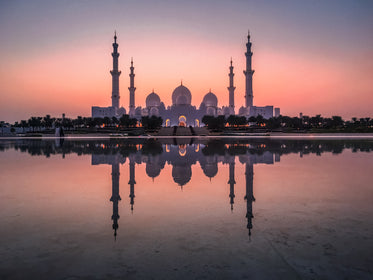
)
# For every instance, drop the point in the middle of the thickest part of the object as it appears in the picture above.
(186, 209)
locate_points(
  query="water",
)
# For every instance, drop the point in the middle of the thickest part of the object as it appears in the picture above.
(186, 209)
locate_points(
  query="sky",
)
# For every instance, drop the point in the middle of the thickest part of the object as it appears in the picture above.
(314, 57)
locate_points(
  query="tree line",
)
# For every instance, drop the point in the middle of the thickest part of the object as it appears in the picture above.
(125, 121)
(219, 123)
(314, 123)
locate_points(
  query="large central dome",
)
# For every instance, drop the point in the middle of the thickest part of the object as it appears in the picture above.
(181, 96)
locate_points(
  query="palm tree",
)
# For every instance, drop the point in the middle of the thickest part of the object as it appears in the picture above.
(24, 124)
(47, 121)
(34, 122)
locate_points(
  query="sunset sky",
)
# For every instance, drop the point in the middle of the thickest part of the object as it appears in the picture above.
(314, 57)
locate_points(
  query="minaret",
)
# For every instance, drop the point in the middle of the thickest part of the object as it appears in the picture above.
(231, 89)
(115, 75)
(132, 183)
(132, 90)
(248, 74)
(249, 195)
(231, 183)
(115, 198)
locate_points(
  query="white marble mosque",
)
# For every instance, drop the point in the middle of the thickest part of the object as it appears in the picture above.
(182, 112)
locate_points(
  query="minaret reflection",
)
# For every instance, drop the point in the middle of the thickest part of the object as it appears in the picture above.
(114, 160)
(132, 183)
(231, 183)
(115, 198)
(249, 197)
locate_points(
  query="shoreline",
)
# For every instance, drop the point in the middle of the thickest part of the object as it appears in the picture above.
(275, 135)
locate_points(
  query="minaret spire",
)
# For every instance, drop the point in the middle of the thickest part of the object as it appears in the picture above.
(115, 75)
(132, 90)
(231, 89)
(248, 74)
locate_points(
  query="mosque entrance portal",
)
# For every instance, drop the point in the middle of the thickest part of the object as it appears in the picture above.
(182, 121)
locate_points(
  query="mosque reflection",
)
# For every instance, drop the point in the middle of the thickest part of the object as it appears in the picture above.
(181, 157)
(181, 154)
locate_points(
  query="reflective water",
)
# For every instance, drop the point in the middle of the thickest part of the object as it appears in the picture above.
(186, 209)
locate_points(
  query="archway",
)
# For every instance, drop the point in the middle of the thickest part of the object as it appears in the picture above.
(182, 150)
(182, 121)
(196, 123)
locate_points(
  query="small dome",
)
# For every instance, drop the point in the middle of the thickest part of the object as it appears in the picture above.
(210, 100)
(153, 169)
(138, 111)
(153, 100)
(210, 169)
(181, 96)
(227, 111)
(181, 174)
(243, 111)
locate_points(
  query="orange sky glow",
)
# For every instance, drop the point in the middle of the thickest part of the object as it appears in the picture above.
(72, 75)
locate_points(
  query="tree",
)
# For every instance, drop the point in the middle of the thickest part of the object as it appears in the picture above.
(132, 122)
(207, 119)
(151, 123)
(316, 121)
(252, 119)
(47, 121)
(78, 122)
(236, 120)
(213, 123)
(337, 121)
(260, 120)
(124, 120)
(273, 123)
(35, 122)
(67, 123)
(231, 120)
(114, 121)
(107, 121)
(24, 124)
(98, 121)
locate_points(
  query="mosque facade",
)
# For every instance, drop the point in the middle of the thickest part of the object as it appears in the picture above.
(182, 112)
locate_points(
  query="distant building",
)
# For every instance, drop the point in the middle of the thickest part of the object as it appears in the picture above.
(277, 112)
(182, 112)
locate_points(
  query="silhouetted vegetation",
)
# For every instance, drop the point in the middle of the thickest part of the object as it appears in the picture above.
(289, 124)
(151, 123)
(232, 123)
(214, 123)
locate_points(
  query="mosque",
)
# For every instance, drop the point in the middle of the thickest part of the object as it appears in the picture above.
(182, 112)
